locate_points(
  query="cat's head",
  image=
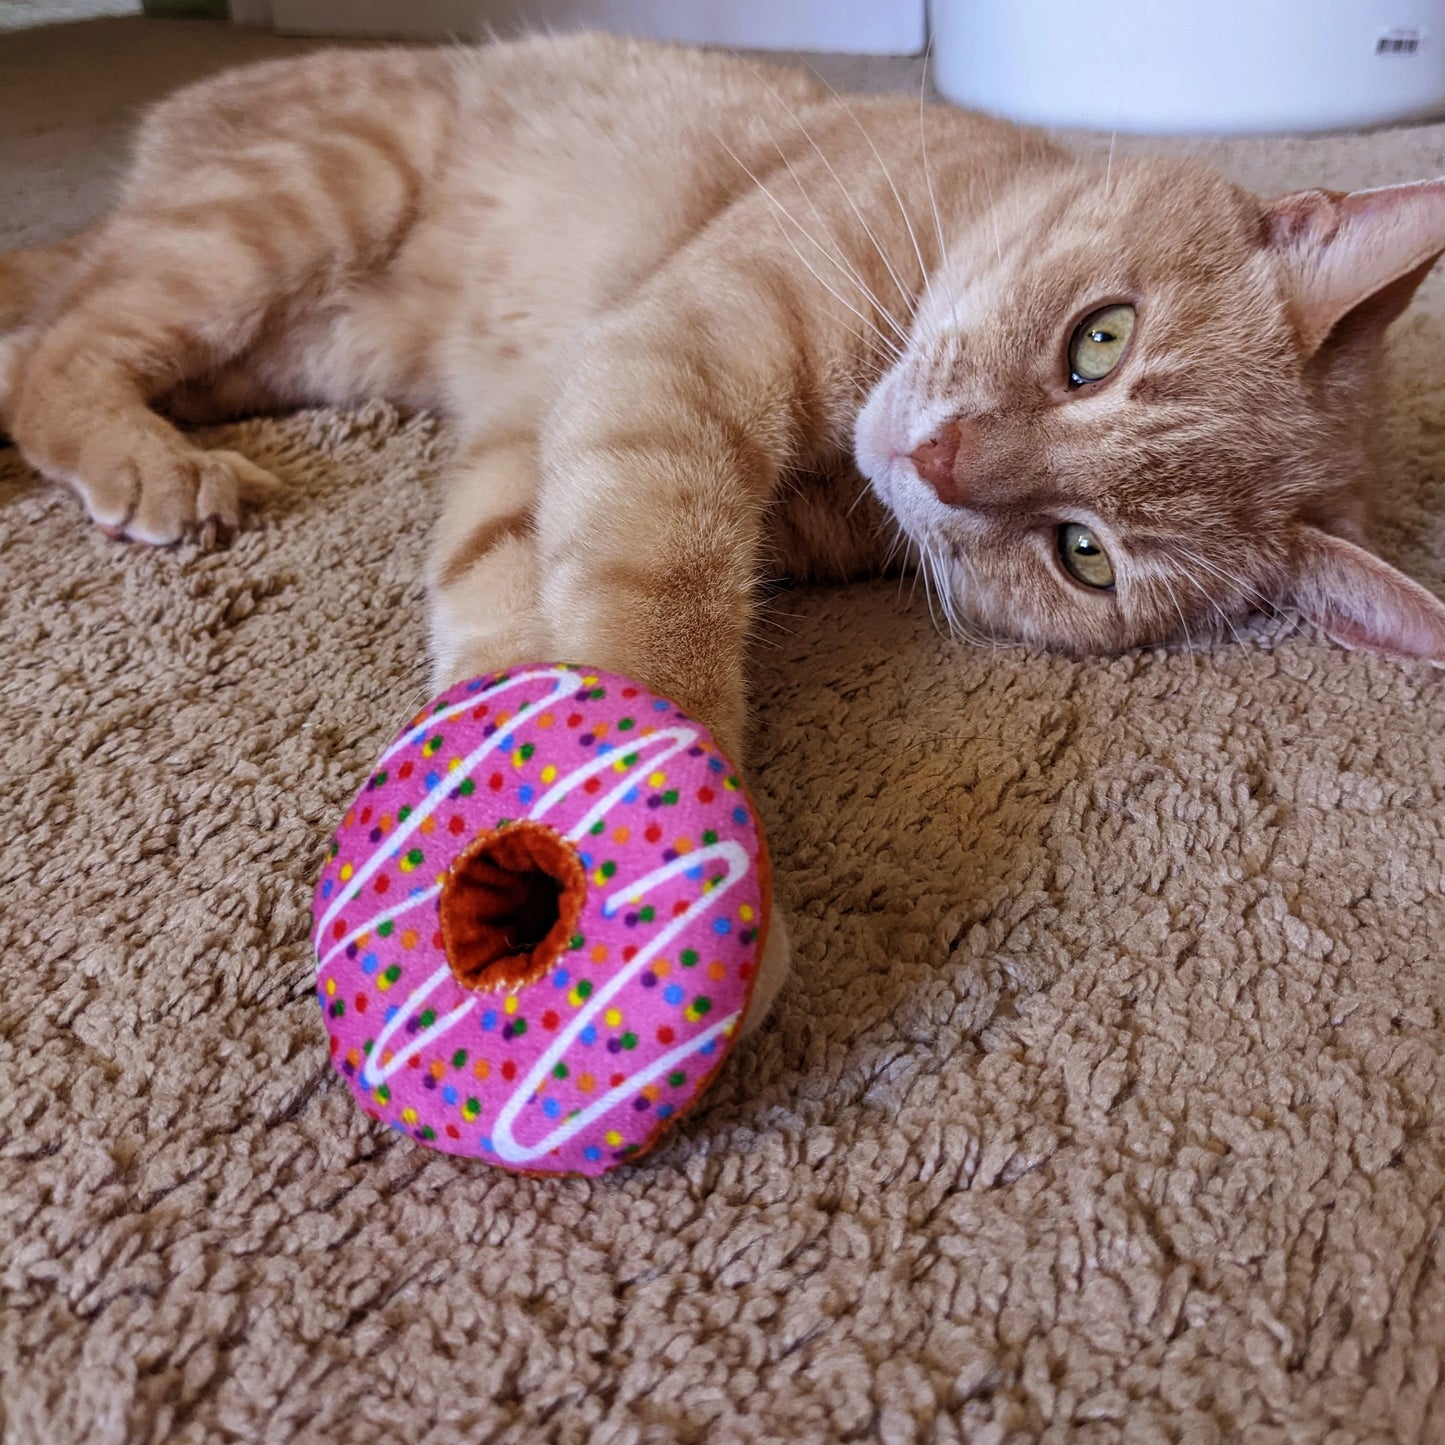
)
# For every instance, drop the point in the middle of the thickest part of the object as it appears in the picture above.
(1134, 402)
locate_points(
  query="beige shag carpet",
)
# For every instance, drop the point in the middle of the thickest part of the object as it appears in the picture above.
(1107, 1101)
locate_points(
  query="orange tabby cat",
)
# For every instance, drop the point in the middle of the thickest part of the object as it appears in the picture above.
(674, 305)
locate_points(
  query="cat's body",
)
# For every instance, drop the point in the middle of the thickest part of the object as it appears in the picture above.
(653, 290)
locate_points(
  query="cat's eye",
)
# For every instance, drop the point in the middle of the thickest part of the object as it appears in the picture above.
(1099, 342)
(1083, 557)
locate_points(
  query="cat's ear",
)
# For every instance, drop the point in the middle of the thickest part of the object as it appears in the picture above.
(1363, 602)
(1357, 255)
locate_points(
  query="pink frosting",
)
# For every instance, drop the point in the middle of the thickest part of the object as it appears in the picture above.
(585, 1067)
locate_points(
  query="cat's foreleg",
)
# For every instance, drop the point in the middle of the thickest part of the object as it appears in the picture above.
(30, 281)
(649, 531)
(153, 306)
(656, 477)
(483, 609)
(482, 572)
(255, 200)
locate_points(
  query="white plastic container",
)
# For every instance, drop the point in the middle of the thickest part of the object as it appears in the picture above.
(1193, 65)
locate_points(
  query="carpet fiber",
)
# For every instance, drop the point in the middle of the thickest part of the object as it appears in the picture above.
(1107, 1101)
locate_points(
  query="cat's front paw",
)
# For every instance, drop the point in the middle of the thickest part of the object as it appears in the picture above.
(140, 482)
(163, 494)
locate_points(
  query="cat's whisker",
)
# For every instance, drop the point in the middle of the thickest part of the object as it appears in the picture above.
(967, 629)
(994, 642)
(883, 337)
(1178, 611)
(1223, 624)
(838, 260)
(763, 620)
(1168, 587)
(1218, 610)
(1260, 602)
(857, 501)
(836, 255)
(946, 599)
(1187, 560)
(954, 628)
(899, 545)
(909, 300)
(1249, 592)
(887, 176)
(880, 337)
(841, 259)
(993, 218)
(926, 557)
(915, 573)
(928, 181)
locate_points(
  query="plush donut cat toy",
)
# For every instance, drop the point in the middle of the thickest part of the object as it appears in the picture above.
(540, 922)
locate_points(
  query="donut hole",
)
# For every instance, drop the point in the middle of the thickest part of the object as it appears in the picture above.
(510, 906)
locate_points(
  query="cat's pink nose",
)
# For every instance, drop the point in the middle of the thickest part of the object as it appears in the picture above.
(936, 459)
